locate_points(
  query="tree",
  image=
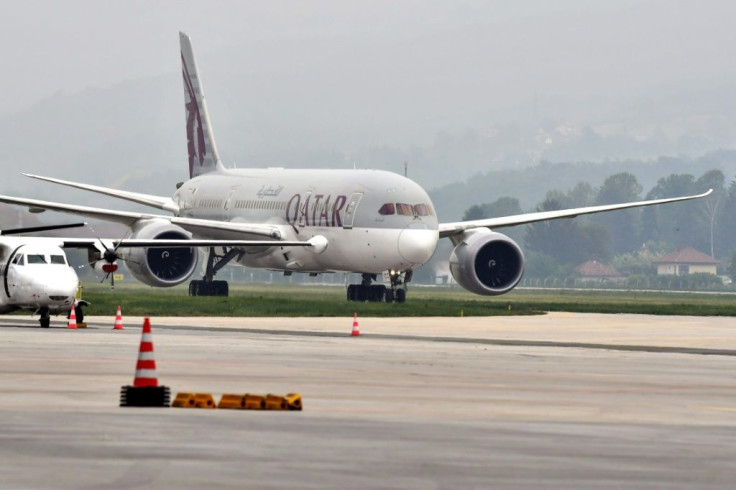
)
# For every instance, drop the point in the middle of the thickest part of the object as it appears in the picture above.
(673, 223)
(503, 206)
(728, 233)
(711, 206)
(624, 225)
(568, 241)
(732, 266)
(474, 212)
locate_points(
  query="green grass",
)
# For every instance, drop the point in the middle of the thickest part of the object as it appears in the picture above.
(316, 301)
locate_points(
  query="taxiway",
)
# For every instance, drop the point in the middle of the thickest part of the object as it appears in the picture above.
(551, 401)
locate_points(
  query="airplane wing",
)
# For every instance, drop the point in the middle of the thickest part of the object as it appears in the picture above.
(140, 243)
(450, 229)
(127, 218)
(165, 203)
(35, 229)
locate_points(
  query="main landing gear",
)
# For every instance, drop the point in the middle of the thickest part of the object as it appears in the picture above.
(378, 293)
(207, 286)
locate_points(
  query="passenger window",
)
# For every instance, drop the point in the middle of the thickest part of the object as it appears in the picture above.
(58, 259)
(36, 259)
(404, 209)
(387, 209)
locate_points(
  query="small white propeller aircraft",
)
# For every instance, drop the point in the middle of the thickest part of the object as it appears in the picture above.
(36, 274)
(361, 221)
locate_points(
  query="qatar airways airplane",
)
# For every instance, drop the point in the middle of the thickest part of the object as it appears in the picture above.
(314, 221)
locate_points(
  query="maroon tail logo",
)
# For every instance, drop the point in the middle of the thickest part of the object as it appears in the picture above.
(195, 143)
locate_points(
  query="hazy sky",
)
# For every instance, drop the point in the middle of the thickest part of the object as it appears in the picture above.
(559, 46)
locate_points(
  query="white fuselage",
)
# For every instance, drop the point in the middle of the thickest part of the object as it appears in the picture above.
(35, 275)
(373, 221)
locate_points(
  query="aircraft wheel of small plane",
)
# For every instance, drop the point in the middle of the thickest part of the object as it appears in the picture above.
(79, 313)
(400, 295)
(389, 296)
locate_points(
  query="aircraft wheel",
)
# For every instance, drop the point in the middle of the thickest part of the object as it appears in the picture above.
(194, 288)
(376, 293)
(79, 313)
(351, 292)
(389, 296)
(219, 288)
(400, 295)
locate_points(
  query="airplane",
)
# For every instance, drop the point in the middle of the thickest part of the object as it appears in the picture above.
(36, 274)
(360, 221)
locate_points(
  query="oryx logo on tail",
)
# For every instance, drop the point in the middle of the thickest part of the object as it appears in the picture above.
(200, 140)
(195, 142)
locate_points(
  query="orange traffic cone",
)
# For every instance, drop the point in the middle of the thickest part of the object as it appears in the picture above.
(72, 318)
(145, 391)
(118, 320)
(356, 330)
(145, 369)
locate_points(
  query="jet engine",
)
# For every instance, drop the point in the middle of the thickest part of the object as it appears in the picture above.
(486, 262)
(161, 267)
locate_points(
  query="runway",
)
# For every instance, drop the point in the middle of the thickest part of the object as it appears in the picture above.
(555, 401)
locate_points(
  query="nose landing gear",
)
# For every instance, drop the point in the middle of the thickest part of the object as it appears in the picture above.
(45, 319)
(378, 293)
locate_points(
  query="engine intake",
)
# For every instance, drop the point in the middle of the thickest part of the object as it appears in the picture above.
(485, 262)
(161, 267)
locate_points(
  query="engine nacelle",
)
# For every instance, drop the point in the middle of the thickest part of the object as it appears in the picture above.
(161, 267)
(486, 262)
(104, 267)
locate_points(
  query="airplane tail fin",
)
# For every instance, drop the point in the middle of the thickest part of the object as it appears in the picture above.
(201, 146)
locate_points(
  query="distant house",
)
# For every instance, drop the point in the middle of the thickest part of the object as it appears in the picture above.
(442, 273)
(594, 271)
(685, 261)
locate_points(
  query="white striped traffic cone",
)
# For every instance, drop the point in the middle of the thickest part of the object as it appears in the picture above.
(118, 320)
(145, 369)
(72, 319)
(356, 329)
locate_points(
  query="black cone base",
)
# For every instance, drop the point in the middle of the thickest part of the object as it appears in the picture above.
(146, 396)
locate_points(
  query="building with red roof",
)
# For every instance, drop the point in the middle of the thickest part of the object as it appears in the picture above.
(593, 270)
(685, 261)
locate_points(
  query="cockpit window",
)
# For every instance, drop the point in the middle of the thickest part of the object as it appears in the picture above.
(387, 209)
(58, 259)
(18, 260)
(421, 210)
(36, 259)
(404, 209)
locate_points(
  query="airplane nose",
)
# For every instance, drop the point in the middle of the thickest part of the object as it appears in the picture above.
(58, 289)
(417, 246)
